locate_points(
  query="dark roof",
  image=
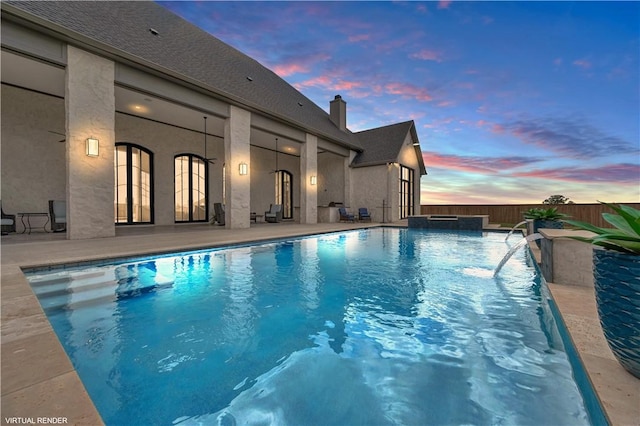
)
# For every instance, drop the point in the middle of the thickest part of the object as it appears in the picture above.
(183, 51)
(381, 145)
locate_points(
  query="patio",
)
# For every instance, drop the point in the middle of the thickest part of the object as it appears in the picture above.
(38, 379)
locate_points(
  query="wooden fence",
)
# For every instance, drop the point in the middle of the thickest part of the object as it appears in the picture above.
(512, 213)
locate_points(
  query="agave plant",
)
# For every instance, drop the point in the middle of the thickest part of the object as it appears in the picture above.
(544, 214)
(623, 237)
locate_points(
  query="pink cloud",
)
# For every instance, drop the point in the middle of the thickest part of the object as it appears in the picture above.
(285, 70)
(481, 165)
(497, 128)
(408, 91)
(444, 4)
(427, 55)
(617, 174)
(329, 83)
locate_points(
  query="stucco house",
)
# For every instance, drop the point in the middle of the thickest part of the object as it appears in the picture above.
(134, 116)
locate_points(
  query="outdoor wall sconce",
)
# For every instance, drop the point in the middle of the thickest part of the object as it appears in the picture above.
(243, 168)
(314, 180)
(93, 147)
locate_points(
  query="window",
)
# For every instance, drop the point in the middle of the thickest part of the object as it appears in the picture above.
(406, 192)
(191, 192)
(133, 184)
(284, 193)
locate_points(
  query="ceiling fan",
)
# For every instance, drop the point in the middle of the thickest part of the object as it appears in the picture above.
(207, 159)
(58, 133)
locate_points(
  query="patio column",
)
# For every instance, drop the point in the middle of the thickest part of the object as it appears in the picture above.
(309, 191)
(347, 178)
(237, 132)
(90, 114)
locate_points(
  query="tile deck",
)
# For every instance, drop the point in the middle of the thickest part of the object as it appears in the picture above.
(38, 379)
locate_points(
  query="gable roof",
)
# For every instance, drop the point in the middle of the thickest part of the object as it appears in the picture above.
(179, 49)
(382, 145)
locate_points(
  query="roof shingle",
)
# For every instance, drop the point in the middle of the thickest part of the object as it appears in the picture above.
(183, 49)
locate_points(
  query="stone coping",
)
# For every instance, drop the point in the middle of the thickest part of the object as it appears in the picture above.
(564, 233)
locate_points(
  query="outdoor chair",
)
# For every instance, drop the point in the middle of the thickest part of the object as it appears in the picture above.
(274, 214)
(363, 215)
(344, 216)
(58, 214)
(218, 210)
(8, 222)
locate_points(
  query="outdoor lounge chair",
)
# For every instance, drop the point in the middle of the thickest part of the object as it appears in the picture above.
(58, 214)
(274, 214)
(218, 210)
(363, 215)
(344, 216)
(8, 222)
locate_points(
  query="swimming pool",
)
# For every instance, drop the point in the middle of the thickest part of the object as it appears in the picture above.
(379, 326)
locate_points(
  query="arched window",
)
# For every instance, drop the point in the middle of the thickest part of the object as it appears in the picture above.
(284, 192)
(133, 184)
(191, 190)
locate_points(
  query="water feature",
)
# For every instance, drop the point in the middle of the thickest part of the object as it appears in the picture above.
(514, 228)
(514, 249)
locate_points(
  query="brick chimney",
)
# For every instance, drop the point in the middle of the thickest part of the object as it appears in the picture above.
(338, 112)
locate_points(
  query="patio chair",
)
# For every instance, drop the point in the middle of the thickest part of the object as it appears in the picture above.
(274, 214)
(8, 222)
(58, 214)
(363, 215)
(344, 216)
(218, 210)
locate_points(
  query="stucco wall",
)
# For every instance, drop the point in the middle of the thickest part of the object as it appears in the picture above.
(369, 189)
(330, 178)
(33, 161)
(165, 142)
(263, 163)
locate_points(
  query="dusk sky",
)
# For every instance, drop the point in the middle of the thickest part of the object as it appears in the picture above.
(513, 101)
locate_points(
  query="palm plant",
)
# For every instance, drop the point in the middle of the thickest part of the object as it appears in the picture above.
(623, 237)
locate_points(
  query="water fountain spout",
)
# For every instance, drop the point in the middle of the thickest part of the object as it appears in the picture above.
(514, 228)
(515, 248)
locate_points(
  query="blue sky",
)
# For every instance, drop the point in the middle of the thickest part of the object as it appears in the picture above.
(513, 101)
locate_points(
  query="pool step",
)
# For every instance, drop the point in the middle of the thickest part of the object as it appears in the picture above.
(71, 290)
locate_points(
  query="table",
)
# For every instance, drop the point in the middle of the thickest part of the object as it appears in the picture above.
(254, 217)
(27, 226)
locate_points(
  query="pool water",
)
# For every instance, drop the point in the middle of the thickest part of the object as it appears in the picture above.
(374, 327)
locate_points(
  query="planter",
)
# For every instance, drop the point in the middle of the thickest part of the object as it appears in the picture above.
(549, 224)
(617, 285)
